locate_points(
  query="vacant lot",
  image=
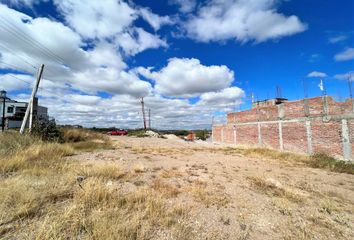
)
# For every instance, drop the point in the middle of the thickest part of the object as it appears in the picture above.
(151, 188)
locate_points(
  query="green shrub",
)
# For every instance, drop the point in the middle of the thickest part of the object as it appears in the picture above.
(321, 160)
(47, 130)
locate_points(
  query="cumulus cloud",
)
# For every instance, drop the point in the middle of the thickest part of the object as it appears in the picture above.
(10, 82)
(153, 19)
(85, 61)
(317, 74)
(347, 54)
(28, 3)
(345, 76)
(137, 40)
(242, 20)
(224, 97)
(185, 6)
(100, 68)
(92, 19)
(184, 77)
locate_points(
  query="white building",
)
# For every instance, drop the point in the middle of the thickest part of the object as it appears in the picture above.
(15, 111)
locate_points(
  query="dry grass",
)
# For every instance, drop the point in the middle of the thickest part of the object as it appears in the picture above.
(166, 189)
(40, 199)
(81, 135)
(272, 188)
(102, 170)
(319, 160)
(206, 195)
(285, 157)
(171, 173)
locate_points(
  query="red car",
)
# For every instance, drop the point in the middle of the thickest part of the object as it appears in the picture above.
(119, 132)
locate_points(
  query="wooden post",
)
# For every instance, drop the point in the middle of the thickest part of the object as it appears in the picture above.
(34, 91)
(143, 110)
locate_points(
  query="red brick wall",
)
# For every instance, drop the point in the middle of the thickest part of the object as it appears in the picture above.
(270, 133)
(228, 134)
(247, 135)
(268, 114)
(327, 137)
(217, 133)
(295, 137)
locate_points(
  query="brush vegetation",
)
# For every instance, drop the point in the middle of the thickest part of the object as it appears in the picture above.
(318, 160)
(41, 198)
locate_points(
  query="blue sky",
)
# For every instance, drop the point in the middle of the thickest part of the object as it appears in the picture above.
(189, 59)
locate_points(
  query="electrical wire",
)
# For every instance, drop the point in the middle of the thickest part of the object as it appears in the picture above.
(16, 31)
(20, 57)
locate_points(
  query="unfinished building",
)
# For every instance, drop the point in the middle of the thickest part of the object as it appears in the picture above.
(313, 125)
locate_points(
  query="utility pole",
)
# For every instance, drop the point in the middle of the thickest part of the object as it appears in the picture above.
(30, 104)
(3, 95)
(143, 110)
(351, 90)
(149, 118)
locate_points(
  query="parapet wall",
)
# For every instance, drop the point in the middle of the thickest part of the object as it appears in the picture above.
(304, 126)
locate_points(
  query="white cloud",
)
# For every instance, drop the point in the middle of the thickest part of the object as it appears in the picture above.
(347, 54)
(338, 39)
(95, 19)
(138, 40)
(317, 74)
(345, 76)
(224, 97)
(183, 77)
(10, 82)
(71, 90)
(28, 3)
(185, 6)
(241, 20)
(99, 69)
(153, 19)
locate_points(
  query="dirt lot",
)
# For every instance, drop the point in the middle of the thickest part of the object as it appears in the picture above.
(223, 194)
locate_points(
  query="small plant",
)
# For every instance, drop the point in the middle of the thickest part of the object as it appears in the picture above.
(321, 160)
(47, 130)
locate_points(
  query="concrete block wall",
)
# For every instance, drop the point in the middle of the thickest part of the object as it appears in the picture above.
(316, 125)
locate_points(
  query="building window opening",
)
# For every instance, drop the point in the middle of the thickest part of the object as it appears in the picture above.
(10, 109)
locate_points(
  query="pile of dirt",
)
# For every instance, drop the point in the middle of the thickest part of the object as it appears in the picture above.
(151, 133)
(171, 136)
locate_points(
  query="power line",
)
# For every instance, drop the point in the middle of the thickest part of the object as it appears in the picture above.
(20, 57)
(13, 67)
(13, 76)
(14, 30)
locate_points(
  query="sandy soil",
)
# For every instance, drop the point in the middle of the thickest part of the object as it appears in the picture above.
(230, 196)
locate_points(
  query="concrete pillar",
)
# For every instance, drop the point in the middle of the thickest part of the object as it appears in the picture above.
(281, 145)
(281, 112)
(306, 107)
(235, 142)
(222, 134)
(259, 135)
(325, 105)
(309, 137)
(347, 149)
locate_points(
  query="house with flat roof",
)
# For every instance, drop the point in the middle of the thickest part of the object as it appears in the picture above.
(15, 111)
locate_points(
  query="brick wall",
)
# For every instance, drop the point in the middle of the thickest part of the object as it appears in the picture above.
(304, 126)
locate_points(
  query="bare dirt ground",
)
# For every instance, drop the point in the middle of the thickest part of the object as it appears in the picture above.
(231, 196)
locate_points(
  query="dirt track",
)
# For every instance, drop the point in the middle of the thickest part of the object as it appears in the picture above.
(230, 196)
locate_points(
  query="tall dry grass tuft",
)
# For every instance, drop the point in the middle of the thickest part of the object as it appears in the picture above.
(38, 155)
(11, 142)
(102, 170)
(81, 135)
(41, 199)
